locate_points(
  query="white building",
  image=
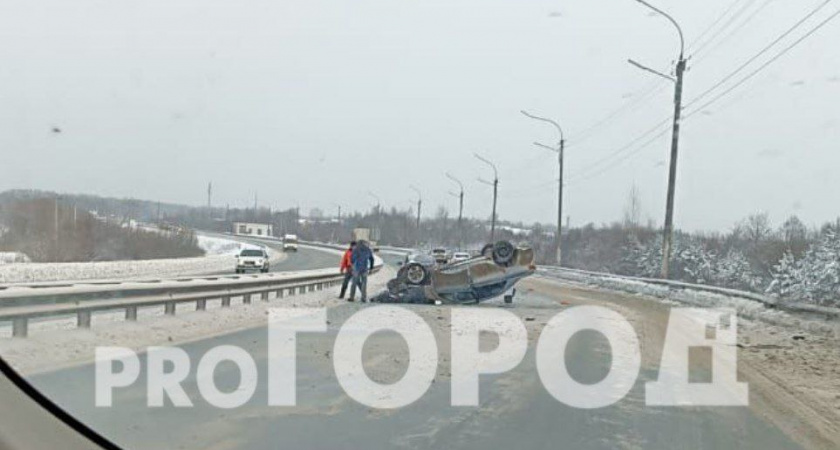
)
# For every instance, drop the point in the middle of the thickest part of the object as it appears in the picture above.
(252, 229)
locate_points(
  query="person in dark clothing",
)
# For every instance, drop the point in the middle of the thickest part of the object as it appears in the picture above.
(362, 262)
(346, 268)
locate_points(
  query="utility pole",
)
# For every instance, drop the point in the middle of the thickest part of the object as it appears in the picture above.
(495, 184)
(668, 230)
(375, 232)
(559, 150)
(460, 196)
(209, 195)
(419, 206)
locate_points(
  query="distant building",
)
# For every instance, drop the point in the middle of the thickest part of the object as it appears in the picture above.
(252, 229)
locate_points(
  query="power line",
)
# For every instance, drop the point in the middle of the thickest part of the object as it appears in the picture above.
(760, 53)
(765, 65)
(743, 24)
(643, 95)
(640, 97)
(714, 23)
(627, 146)
(726, 25)
(615, 163)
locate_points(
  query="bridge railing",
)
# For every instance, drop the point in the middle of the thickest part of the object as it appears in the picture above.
(19, 305)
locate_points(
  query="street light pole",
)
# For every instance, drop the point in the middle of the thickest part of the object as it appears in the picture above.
(559, 150)
(460, 196)
(419, 206)
(495, 184)
(668, 231)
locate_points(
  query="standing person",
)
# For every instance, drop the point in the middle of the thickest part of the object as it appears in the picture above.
(347, 269)
(362, 262)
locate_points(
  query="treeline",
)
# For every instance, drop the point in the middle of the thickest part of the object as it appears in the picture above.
(789, 260)
(48, 230)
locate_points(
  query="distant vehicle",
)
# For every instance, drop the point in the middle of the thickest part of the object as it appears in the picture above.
(290, 243)
(440, 255)
(364, 234)
(252, 259)
(459, 256)
(361, 234)
(491, 274)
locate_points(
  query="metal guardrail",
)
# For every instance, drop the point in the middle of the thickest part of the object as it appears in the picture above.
(770, 302)
(83, 300)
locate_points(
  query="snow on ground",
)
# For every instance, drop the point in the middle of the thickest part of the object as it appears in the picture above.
(219, 258)
(749, 309)
(58, 343)
(13, 257)
(214, 245)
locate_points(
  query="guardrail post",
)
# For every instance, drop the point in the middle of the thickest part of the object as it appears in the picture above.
(302, 290)
(201, 305)
(20, 327)
(246, 299)
(279, 293)
(264, 296)
(226, 301)
(83, 319)
(131, 313)
(169, 308)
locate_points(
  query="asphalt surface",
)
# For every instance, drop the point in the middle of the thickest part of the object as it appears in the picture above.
(306, 258)
(515, 412)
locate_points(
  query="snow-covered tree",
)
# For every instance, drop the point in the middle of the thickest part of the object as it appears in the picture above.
(815, 278)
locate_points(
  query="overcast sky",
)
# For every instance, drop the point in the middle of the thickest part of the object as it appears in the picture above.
(317, 102)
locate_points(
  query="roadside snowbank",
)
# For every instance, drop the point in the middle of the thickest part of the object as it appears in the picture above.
(219, 258)
(745, 308)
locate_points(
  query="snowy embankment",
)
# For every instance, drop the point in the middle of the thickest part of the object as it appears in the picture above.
(219, 257)
(826, 321)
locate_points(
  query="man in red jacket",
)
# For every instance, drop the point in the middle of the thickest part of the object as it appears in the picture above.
(347, 269)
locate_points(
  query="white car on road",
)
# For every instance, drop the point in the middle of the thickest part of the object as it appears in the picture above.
(252, 259)
(290, 243)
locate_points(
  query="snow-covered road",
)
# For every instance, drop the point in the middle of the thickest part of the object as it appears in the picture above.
(219, 257)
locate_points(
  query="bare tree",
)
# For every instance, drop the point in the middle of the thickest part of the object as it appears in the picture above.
(633, 209)
(756, 228)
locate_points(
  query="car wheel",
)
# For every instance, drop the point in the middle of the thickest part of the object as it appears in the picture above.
(503, 253)
(487, 250)
(415, 274)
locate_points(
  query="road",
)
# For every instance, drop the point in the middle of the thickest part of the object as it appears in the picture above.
(306, 258)
(515, 411)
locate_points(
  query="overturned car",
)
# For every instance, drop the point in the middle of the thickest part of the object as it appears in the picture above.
(495, 271)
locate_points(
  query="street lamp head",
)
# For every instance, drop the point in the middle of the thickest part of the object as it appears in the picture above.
(671, 19)
(486, 161)
(415, 189)
(544, 119)
(451, 177)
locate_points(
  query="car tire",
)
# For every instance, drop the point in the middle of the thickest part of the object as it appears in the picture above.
(415, 274)
(487, 251)
(503, 253)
